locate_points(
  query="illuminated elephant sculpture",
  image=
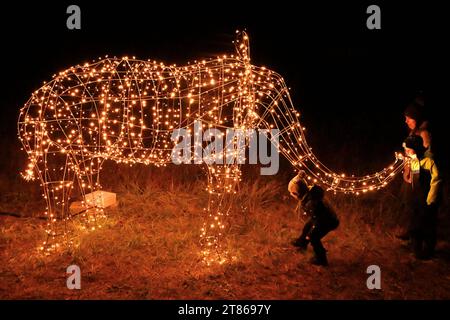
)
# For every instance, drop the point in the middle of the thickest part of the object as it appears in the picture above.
(127, 109)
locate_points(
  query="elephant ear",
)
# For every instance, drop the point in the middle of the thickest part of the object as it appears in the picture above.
(242, 45)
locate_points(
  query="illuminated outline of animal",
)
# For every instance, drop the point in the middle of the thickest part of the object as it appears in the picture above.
(126, 109)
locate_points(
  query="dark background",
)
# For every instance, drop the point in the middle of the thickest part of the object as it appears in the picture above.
(351, 84)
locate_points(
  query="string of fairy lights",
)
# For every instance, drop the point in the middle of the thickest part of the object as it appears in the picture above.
(125, 110)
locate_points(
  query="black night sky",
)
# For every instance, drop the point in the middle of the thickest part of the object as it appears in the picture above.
(350, 83)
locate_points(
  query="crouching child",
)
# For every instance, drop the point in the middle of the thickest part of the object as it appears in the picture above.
(321, 217)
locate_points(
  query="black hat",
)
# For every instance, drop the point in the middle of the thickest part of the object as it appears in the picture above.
(415, 111)
(420, 99)
(416, 143)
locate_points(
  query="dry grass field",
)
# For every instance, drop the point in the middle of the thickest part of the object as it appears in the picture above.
(149, 246)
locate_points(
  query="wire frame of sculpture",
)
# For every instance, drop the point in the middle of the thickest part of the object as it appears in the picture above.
(126, 110)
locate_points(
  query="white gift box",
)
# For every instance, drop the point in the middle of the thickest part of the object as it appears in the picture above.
(98, 199)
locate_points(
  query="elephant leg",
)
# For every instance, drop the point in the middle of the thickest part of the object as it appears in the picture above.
(88, 182)
(57, 179)
(222, 184)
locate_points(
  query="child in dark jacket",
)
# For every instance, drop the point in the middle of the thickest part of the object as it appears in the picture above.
(424, 190)
(322, 218)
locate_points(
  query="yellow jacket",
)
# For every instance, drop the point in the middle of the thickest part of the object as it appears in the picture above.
(427, 164)
(424, 178)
